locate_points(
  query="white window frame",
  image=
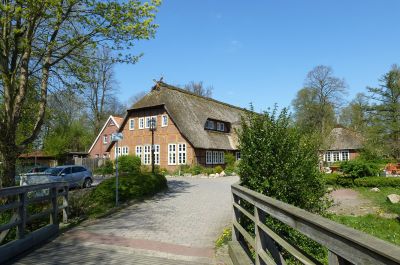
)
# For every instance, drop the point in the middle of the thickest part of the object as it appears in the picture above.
(131, 124)
(210, 125)
(147, 122)
(342, 156)
(171, 154)
(164, 120)
(157, 154)
(335, 156)
(221, 157)
(328, 156)
(124, 150)
(238, 156)
(147, 155)
(105, 139)
(209, 156)
(182, 157)
(141, 123)
(220, 126)
(138, 151)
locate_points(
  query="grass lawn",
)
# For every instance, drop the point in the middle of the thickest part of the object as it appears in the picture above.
(379, 198)
(386, 229)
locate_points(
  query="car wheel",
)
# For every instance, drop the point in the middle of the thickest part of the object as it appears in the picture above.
(88, 183)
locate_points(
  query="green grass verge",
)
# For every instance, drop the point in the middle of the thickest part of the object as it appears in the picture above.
(386, 229)
(380, 198)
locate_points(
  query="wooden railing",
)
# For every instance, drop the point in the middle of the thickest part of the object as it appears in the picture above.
(345, 245)
(16, 201)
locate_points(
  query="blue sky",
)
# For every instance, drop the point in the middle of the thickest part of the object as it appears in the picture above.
(260, 51)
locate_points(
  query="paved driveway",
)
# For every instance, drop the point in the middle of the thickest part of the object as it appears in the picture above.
(177, 227)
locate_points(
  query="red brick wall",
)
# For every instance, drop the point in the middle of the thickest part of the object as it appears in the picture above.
(162, 136)
(100, 148)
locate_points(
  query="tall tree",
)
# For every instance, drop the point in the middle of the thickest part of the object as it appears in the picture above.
(198, 88)
(42, 41)
(385, 112)
(318, 101)
(354, 115)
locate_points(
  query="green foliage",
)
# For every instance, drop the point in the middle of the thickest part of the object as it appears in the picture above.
(196, 170)
(224, 238)
(340, 180)
(128, 164)
(218, 169)
(386, 229)
(276, 160)
(380, 198)
(106, 169)
(229, 159)
(130, 187)
(358, 168)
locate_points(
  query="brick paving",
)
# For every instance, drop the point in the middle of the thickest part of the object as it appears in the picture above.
(176, 227)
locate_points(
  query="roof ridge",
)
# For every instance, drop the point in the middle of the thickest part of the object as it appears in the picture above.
(163, 84)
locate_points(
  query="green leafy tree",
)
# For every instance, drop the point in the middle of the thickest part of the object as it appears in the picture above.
(41, 45)
(385, 113)
(354, 115)
(278, 161)
(129, 164)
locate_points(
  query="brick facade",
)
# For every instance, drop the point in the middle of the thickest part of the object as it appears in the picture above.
(162, 137)
(99, 148)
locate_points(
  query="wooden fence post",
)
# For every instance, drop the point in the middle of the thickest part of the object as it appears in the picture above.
(21, 215)
(54, 206)
(334, 259)
(236, 236)
(65, 205)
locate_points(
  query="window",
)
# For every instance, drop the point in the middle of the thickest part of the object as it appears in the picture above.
(345, 155)
(156, 154)
(155, 120)
(125, 150)
(139, 151)
(147, 124)
(105, 156)
(78, 169)
(237, 155)
(105, 139)
(181, 154)
(97, 155)
(66, 170)
(210, 125)
(335, 156)
(141, 123)
(118, 150)
(209, 157)
(164, 120)
(220, 126)
(131, 124)
(328, 156)
(171, 154)
(147, 155)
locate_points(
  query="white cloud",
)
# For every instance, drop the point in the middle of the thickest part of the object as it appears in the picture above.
(234, 45)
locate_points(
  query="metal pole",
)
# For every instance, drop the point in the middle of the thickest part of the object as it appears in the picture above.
(152, 150)
(116, 175)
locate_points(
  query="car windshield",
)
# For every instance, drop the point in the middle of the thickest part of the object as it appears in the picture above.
(53, 171)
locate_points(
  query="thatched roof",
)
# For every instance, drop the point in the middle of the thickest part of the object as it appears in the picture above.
(190, 113)
(343, 139)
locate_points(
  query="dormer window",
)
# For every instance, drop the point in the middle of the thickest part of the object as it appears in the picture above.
(220, 126)
(210, 125)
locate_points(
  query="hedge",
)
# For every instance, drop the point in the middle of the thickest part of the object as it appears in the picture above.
(340, 180)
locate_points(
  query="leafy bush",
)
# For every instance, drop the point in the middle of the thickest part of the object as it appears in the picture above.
(128, 164)
(377, 182)
(331, 179)
(229, 159)
(358, 168)
(196, 170)
(218, 169)
(278, 161)
(106, 169)
(130, 187)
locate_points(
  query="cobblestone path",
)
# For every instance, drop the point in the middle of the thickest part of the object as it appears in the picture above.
(176, 227)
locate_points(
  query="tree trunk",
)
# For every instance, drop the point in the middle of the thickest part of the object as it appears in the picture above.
(9, 168)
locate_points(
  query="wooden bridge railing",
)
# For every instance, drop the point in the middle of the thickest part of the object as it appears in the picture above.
(345, 245)
(16, 201)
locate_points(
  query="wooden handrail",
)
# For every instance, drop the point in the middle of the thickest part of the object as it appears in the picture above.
(20, 198)
(345, 245)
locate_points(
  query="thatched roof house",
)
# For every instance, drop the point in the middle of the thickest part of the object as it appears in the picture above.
(205, 125)
(342, 144)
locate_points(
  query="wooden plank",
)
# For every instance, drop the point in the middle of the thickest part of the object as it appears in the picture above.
(54, 206)
(22, 215)
(334, 259)
(265, 257)
(38, 199)
(9, 206)
(14, 221)
(10, 191)
(39, 215)
(245, 234)
(244, 211)
(65, 206)
(350, 244)
(289, 248)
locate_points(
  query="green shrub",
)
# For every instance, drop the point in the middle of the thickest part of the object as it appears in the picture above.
(129, 164)
(331, 179)
(208, 170)
(377, 182)
(130, 187)
(218, 169)
(229, 170)
(196, 170)
(229, 159)
(106, 169)
(359, 168)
